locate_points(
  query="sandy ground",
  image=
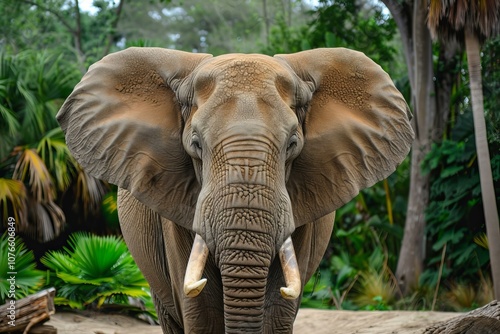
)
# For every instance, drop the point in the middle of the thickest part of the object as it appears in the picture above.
(308, 321)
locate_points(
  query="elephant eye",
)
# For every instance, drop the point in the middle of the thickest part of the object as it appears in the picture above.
(195, 143)
(292, 142)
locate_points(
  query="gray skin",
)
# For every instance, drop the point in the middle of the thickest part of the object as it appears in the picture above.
(243, 150)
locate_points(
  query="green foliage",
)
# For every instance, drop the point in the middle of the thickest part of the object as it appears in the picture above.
(27, 279)
(491, 90)
(32, 87)
(454, 215)
(36, 167)
(376, 289)
(109, 208)
(317, 291)
(57, 25)
(95, 271)
(286, 39)
(358, 266)
(29, 28)
(362, 26)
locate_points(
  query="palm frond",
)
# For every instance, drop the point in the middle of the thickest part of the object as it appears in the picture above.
(96, 270)
(47, 220)
(481, 240)
(13, 195)
(28, 278)
(54, 152)
(9, 128)
(62, 301)
(33, 86)
(74, 279)
(57, 261)
(449, 18)
(31, 114)
(126, 292)
(90, 191)
(9, 124)
(31, 169)
(98, 256)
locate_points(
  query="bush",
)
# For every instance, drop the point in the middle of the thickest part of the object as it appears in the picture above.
(455, 213)
(27, 278)
(96, 272)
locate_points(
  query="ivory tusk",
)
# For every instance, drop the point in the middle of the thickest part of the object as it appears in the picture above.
(290, 270)
(193, 283)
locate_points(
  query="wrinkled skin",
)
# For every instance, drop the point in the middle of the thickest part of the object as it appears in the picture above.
(243, 151)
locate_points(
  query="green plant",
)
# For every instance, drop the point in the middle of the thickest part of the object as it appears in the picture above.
(95, 272)
(317, 291)
(461, 297)
(18, 276)
(454, 215)
(109, 208)
(36, 167)
(368, 229)
(376, 289)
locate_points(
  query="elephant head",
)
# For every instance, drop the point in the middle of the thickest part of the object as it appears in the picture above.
(241, 149)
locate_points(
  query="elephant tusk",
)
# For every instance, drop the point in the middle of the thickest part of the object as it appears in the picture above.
(290, 270)
(193, 283)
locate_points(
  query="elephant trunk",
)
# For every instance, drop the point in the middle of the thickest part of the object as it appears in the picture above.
(244, 285)
(244, 272)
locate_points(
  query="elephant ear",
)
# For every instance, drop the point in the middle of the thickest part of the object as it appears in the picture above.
(123, 124)
(356, 131)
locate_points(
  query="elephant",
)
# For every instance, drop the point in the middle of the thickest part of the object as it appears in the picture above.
(230, 169)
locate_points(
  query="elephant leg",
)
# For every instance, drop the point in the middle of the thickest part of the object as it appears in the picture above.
(142, 231)
(161, 250)
(310, 243)
(167, 322)
(205, 312)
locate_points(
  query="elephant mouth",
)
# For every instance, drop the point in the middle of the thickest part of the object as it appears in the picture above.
(194, 283)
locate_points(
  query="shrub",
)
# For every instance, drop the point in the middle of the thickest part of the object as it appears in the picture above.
(27, 278)
(96, 271)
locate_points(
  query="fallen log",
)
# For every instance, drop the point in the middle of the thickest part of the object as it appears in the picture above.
(23, 314)
(484, 320)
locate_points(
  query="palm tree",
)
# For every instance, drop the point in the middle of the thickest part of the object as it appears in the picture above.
(473, 21)
(36, 166)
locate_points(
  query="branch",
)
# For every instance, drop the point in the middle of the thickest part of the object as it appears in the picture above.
(78, 39)
(74, 31)
(114, 24)
(53, 12)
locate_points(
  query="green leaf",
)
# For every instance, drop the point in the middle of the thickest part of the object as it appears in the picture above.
(95, 270)
(27, 278)
(451, 170)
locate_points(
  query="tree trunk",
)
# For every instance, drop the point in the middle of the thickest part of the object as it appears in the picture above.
(402, 15)
(483, 157)
(412, 254)
(446, 75)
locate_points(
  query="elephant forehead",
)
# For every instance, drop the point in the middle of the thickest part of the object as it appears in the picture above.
(245, 75)
(237, 73)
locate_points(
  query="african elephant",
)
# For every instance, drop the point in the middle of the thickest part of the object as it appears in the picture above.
(230, 169)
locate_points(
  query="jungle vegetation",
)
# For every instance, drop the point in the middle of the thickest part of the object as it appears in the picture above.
(417, 240)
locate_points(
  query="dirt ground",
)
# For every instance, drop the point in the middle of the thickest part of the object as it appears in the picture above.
(308, 321)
